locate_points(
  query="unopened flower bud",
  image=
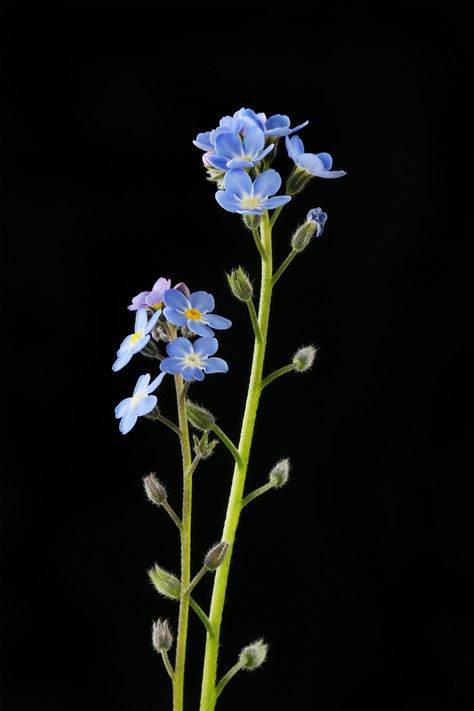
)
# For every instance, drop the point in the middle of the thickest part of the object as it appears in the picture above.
(154, 489)
(151, 350)
(251, 221)
(166, 583)
(199, 417)
(160, 333)
(161, 636)
(254, 655)
(240, 284)
(314, 225)
(204, 448)
(280, 474)
(216, 555)
(318, 217)
(304, 358)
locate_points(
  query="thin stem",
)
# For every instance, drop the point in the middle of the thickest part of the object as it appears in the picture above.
(258, 242)
(258, 492)
(193, 466)
(172, 514)
(254, 319)
(185, 389)
(178, 683)
(276, 374)
(209, 691)
(227, 677)
(202, 616)
(199, 576)
(275, 215)
(228, 443)
(169, 424)
(168, 665)
(286, 263)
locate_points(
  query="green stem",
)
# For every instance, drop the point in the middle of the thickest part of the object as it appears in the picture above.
(258, 492)
(254, 319)
(227, 677)
(286, 263)
(275, 215)
(199, 576)
(202, 616)
(193, 466)
(276, 374)
(172, 514)
(228, 443)
(258, 242)
(178, 682)
(169, 424)
(167, 663)
(208, 691)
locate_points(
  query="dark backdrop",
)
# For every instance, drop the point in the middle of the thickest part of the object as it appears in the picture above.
(360, 572)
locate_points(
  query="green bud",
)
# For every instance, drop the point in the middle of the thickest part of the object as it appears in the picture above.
(154, 489)
(161, 636)
(216, 555)
(166, 583)
(240, 284)
(303, 236)
(160, 333)
(251, 221)
(199, 417)
(204, 448)
(304, 358)
(254, 655)
(280, 474)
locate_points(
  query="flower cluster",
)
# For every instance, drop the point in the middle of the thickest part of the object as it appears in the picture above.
(160, 314)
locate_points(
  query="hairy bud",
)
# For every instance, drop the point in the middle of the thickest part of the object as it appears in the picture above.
(216, 555)
(304, 358)
(254, 655)
(199, 417)
(204, 447)
(314, 225)
(280, 474)
(251, 221)
(240, 284)
(154, 489)
(166, 583)
(161, 636)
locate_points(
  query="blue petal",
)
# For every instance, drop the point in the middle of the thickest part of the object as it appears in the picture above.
(139, 345)
(154, 383)
(152, 322)
(218, 322)
(190, 372)
(301, 125)
(140, 320)
(203, 141)
(310, 163)
(238, 182)
(171, 365)
(267, 183)
(253, 142)
(125, 345)
(276, 201)
(175, 299)
(238, 164)
(215, 365)
(250, 114)
(205, 346)
(333, 173)
(142, 382)
(228, 145)
(326, 160)
(228, 201)
(127, 422)
(264, 153)
(122, 361)
(219, 162)
(202, 301)
(174, 316)
(199, 328)
(122, 407)
(198, 374)
(179, 347)
(252, 211)
(146, 405)
(294, 146)
(278, 122)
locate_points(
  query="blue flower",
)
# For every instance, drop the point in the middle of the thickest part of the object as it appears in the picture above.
(137, 340)
(242, 149)
(275, 126)
(192, 360)
(141, 403)
(247, 198)
(318, 218)
(194, 312)
(318, 164)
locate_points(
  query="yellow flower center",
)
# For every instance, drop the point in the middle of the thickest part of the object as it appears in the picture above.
(136, 337)
(158, 305)
(136, 398)
(193, 314)
(250, 202)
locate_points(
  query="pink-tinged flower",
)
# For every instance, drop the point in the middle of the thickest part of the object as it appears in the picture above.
(153, 300)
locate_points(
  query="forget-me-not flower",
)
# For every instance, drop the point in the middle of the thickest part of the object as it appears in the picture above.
(247, 198)
(194, 312)
(136, 341)
(238, 150)
(141, 402)
(317, 164)
(154, 299)
(193, 360)
(273, 127)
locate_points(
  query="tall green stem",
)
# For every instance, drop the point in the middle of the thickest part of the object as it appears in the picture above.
(208, 691)
(178, 681)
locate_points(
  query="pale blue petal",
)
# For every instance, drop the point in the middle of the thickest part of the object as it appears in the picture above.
(203, 141)
(199, 328)
(127, 422)
(125, 345)
(142, 382)
(218, 322)
(139, 345)
(123, 407)
(190, 372)
(228, 145)
(326, 160)
(239, 164)
(311, 163)
(146, 405)
(264, 153)
(175, 299)
(154, 383)
(171, 365)
(253, 142)
(205, 346)
(253, 211)
(198, 374)
(294, 146)
(219, 162)
(140, 320)
(122, 361)
(333, 173)
(228, 201)
(277, 122)
(202, 301)
(301, 125)
(238, 182)
(152, 322)
(179, 347)
(267, 183)
(215, 365)
(276, 201)
(174, 316)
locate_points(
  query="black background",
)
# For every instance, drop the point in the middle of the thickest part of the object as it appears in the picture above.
(360, 572)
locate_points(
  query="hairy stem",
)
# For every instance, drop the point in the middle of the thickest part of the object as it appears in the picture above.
(286, 263)
(276, 374)
(227, 677)
(258, 492)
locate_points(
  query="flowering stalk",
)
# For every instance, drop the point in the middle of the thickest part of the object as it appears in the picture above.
(208, 691)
